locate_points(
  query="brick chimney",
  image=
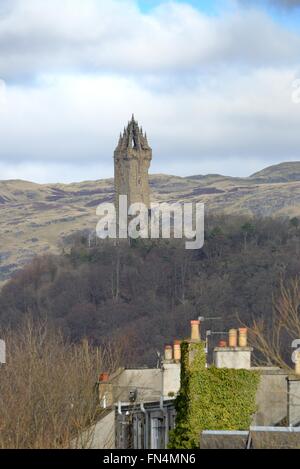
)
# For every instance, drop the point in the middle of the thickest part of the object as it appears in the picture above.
(231, 355)
(105, 390)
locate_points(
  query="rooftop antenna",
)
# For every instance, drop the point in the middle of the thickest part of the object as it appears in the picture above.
(209, 332)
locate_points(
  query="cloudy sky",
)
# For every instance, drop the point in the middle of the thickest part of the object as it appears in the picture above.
(216, 84)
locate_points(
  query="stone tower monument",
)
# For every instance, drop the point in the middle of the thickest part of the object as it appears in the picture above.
(132, 159)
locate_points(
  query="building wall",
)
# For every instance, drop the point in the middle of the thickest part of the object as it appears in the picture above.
(171, 378)
(99, 436)
(271, 397)
(230, 357)
(145, 427)
(147, 382)
(293, 383)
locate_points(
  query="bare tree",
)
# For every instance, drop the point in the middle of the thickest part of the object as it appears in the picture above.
(48, 391)
(272, 337)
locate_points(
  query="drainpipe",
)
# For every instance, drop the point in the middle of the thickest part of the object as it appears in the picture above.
(120, 408)
(166, 420)
(119, 422)
(146, 437)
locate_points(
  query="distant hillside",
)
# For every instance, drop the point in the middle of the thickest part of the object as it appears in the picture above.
(283, 172)
(99, 292)
(37, 219)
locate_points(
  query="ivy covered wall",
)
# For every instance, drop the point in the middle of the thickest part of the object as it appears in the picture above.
(211, 398)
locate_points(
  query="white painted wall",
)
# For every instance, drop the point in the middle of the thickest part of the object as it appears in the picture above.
(236, 358)
(171, 378)
(98, 436)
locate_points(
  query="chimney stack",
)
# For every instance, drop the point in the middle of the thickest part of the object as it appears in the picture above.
(242, 337)
(293, 392)
(233, 355)
(195, 332)
(177, 350)
(171, 368)
(105, 390)
(168, 353)
(297, 362)
(233, 338)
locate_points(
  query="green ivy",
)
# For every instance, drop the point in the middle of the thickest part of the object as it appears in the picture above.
(211, 398)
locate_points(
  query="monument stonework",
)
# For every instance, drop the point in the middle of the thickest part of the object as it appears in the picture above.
(132, 159)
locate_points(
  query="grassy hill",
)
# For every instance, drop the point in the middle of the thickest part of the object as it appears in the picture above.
(283, 172)
(37, 219)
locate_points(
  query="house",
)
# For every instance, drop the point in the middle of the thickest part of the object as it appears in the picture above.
(145, 425)
(254, 438)
(139, 403)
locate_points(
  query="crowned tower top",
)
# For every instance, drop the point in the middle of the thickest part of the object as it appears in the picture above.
(133, 138)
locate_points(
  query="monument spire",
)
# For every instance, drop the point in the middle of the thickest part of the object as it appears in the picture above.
(132, 159)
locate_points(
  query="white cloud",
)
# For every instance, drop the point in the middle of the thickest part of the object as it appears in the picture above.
(210, 92)
(69, 126)
(40, 36)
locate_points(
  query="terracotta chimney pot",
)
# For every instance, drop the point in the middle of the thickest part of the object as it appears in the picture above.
(195, 331)
(177, 350)
(243, 337)
(233, 338)
(168, 352)
(104, 377)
